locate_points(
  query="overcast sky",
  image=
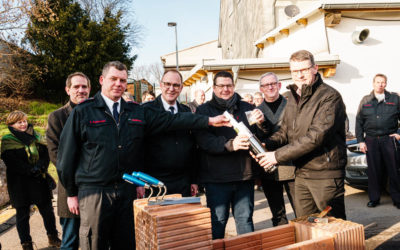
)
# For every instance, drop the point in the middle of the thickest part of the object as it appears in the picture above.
(197, 21)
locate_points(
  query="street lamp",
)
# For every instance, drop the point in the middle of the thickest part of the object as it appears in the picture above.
(173, 24)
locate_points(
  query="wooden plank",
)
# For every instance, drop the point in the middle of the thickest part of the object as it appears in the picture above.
(245, 245)
(287, 235)
(183, 219)
(183, 230)
(184, 242)
(182, 213)
(218, 244)
(185, 224)
(276, 243)
(276, 230)
(241, 239)
(205, 245)
(325, 243)
(185, 236)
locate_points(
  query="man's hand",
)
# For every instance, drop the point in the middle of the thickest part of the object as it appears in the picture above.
(266, 160)
(258, 116)
(241, 142)
(194, 188)
(363, 147)
(219, 121)
(73, 204)
(397, 136)
(139, 192)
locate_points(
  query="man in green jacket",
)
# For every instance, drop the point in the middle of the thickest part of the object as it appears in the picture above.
(312, 136)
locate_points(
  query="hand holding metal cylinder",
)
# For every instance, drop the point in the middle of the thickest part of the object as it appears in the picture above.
(256, 146)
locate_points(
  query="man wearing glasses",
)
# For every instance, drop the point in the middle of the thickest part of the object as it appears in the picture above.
(272, 107)
(227, 171)
(174, 163)
(312, 135)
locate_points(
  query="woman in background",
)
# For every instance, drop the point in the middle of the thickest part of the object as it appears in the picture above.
(25, 155)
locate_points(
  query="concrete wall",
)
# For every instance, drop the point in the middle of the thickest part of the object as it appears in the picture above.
(241, 23)
(359, 63)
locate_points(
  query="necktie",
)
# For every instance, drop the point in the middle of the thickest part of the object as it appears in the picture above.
(172, 109)
(115, 112)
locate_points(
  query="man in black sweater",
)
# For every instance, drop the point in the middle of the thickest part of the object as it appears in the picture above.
(272, 107)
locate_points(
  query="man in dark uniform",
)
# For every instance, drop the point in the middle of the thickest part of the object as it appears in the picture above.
(376, 131)
(102, 140)
(78, 88)
(174, 164)
(273, 107)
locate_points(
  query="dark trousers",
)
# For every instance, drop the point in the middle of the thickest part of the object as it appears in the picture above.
(70, 235)
(23, 213)
(107, 217)
(383, 156)
(176, 186)
(273, 191)
(221, 197)
(314, 195)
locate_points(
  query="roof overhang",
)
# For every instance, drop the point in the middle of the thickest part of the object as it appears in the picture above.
(328, 6)
(326, 62)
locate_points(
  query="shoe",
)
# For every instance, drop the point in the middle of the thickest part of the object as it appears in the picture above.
(27, 245)
(54, 241)
(397, 205)
(372, 203)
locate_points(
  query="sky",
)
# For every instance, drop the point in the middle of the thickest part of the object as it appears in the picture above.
(197, 22)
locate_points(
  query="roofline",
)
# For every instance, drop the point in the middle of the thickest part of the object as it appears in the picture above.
(253, 64)
(330, 5)
(198, 45)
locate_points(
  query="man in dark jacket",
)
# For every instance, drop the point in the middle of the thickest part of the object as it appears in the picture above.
(273, 107)
(175, 161)
(376, 130)
(312, 136)
(103, 139)
(78, 88)
(227, 170)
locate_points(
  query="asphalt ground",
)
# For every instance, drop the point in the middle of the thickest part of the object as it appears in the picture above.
(382, 223)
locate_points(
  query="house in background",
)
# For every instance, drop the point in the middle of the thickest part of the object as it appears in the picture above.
(352, 40)
(189, 58)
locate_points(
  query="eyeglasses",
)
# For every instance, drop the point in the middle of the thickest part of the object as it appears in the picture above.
(268, 85)
(301, 71)
(174, 85)
(221, 86)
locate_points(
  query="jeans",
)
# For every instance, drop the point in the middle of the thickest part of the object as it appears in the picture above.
(70, 236)
(221, 197)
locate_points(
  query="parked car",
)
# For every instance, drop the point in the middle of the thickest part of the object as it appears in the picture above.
(356, 168)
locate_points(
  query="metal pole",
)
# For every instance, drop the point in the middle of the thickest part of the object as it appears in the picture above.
(176, 43)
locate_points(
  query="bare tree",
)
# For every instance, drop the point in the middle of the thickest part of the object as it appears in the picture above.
(16, 67)
(95, 9)
(151, 72)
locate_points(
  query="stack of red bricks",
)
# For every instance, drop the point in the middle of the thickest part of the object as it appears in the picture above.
(180, 226)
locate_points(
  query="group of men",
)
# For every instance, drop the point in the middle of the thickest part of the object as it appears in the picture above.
(95, 142)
